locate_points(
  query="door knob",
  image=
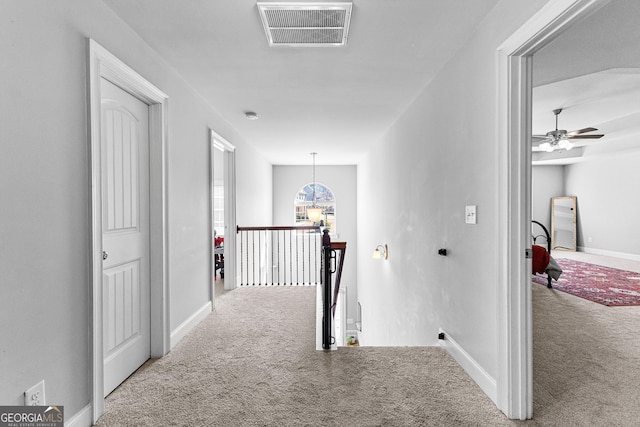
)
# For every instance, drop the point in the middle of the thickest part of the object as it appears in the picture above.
(105, 255)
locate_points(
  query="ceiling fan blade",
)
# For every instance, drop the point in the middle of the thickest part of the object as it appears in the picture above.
(585, 130)
(540, 138)
(596, 136)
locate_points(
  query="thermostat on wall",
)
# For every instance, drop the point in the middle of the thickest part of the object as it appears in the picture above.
(470, 214)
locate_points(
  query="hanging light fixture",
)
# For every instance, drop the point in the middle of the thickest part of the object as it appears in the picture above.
(314, 213)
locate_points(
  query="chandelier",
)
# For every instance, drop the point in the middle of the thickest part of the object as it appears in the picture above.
(314, 213)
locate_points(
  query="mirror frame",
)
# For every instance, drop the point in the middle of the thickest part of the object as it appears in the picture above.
(573, 204)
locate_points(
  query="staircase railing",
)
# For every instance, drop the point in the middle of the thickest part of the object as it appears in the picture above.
(279, 255)
(332, 262)
(270, 256)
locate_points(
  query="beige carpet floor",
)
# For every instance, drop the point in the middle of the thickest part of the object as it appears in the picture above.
(586, 361)
(253, 362)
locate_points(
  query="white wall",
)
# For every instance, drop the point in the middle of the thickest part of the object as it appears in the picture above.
(438, 157)
(44, 177)
(546, 182)
(288, 180)
(254, 181)
(608, 202)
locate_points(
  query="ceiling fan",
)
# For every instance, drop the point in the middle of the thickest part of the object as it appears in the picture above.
(560, 139)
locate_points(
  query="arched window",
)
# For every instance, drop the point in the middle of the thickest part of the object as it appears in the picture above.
(324, 199)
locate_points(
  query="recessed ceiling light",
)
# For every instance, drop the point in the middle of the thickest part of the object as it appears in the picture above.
(251, 115)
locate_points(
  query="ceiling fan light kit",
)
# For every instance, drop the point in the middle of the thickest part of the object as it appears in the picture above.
(560, 139)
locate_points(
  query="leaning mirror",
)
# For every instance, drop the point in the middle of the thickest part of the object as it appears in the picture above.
(563, 223)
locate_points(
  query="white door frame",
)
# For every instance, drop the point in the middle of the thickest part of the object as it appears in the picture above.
(218, 142)
(514, 59)
(102, 64)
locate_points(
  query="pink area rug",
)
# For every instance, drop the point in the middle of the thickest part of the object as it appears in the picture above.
(604, 285)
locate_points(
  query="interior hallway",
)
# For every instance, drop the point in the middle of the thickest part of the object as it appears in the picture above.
(253, 362)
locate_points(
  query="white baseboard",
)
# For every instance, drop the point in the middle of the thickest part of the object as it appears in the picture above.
(486, 382)
(186, 326)
(81, 419)
(622, 255)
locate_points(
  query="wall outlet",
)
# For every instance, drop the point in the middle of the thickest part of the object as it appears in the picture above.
(589, 239)
(35, 395)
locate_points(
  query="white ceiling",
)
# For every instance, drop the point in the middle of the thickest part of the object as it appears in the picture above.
(337, 101)
(592, 72)
(607, 100)
(334, 101)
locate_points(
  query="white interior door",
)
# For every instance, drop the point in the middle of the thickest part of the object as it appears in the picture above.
(124, 146)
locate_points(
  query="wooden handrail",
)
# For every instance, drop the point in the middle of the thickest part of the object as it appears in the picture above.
(339, 245)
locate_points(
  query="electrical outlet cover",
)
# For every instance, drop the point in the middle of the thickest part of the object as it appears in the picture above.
(35, 395)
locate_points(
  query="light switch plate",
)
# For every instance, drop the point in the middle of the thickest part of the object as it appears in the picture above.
(470, 214)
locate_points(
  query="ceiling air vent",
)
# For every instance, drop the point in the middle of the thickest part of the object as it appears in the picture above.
(306, 24)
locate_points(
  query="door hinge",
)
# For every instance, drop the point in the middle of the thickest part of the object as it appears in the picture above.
(527, 253)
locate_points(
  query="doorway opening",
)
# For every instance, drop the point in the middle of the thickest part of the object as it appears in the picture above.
(223, 212)
(592, 176)
(104, 66)
(515, 376)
